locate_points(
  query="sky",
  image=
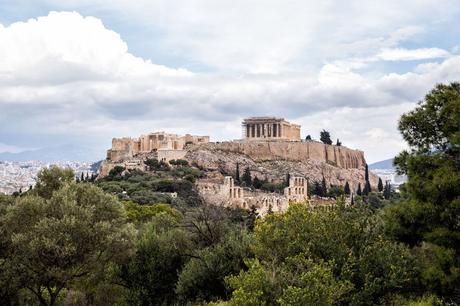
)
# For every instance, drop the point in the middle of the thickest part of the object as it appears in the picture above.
(82, 72)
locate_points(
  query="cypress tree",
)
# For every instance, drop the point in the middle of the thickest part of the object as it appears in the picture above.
(256, 183)
(367, 188)
(387, 191)
(352, 200)
(346, 189)
(359, 192)
(247, 180)
(323, 187)
(316, 188)
(82, 177)
(380, 185)
(367, 184)
(237, 175)
(288, 178)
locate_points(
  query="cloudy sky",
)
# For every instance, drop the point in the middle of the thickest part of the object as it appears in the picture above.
(85, 71)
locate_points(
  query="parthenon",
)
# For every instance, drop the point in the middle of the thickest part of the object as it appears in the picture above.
(270, 128)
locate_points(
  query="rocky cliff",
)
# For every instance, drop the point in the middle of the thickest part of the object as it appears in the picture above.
(273, 160)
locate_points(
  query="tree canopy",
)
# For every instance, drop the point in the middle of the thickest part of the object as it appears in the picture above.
(325, 137)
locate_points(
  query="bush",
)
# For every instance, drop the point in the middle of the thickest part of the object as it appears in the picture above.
(178, 162)
(155, 165)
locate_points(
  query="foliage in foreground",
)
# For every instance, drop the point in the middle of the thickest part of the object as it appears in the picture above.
(69, 240)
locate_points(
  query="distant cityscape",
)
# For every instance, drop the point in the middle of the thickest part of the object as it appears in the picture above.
(391, 176)
(20, 175)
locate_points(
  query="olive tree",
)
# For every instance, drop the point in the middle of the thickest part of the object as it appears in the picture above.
(72, 236)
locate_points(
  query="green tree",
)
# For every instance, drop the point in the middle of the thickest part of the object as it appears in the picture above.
(358, 191)
(429, 211)
(387, 190)
(323, 187)
(308, 257)
(256, 183)
(202, 277)
(346, 189)
(367, 188)
(246, 178)
(325, 137)
(308, 138)
(380, 185)
(237, 174)
(152, 273)
(367, 185)
(338, 143)
(52, 179)
(71, 237)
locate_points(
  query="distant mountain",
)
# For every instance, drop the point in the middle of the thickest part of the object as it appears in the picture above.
(57, 153)
(383, 164)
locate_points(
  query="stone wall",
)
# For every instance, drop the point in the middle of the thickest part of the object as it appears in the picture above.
(260, 151)
(273, 160)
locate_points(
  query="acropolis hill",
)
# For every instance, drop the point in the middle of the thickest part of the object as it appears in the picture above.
(270, 147)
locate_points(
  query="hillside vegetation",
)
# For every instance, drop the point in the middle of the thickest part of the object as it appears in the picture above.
(146, 238)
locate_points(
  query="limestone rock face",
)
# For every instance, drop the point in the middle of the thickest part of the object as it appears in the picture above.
(273, 160)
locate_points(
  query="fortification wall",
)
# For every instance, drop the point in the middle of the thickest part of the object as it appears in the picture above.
(260, 151)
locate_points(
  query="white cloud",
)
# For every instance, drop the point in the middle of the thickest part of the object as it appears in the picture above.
(271, 36)
(65, 76)
(400, 54)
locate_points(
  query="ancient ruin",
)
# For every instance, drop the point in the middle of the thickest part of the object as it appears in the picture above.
(126, 148)
(270, 149)
(270, 128)
(230, 195)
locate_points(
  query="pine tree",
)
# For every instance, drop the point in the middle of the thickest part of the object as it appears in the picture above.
(380, 185)
(346, 189)
(359, 192)
(323, 187)
(325, 137)
(247, 180)
(237, 175)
